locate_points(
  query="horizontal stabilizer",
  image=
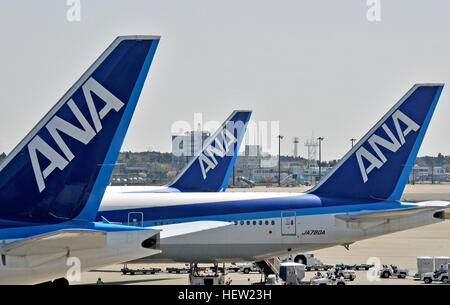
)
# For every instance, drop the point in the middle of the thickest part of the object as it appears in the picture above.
(368, 215)
(56, 242)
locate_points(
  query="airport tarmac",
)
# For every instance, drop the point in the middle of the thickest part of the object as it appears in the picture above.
(417, 192)
(399, 248)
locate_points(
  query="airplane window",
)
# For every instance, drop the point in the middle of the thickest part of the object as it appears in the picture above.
(235, 223)
(260, 222)
(292, 222)
(254, 222)
(267, 222)
(248, 222)
(273, 222)
(242, 222)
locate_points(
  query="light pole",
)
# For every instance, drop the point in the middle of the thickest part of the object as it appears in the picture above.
(188, 139)
(352, 140)
(279, 159)
(234, 177)
(432, 174)
(320, 155)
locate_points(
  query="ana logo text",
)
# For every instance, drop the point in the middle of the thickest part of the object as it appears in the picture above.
(393, 145)
(84, 135)
(221, 148)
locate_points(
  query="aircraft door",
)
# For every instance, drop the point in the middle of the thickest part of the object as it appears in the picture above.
(136, 219)
(288, 223)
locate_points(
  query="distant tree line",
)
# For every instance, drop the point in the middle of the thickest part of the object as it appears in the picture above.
(129, 157)
(146, 156)
(440, 160)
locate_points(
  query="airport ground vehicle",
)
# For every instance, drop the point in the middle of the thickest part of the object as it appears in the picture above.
(177, 270)
(318, 266)
(272, 279)
(343, 266)
(387, 271)
(329, 279)
(244, 182)
(125, 270)
(281, 273)
(249, 267)
(360, 267)
(205, 276)
(308, 259)
(207, 280)
(435, 276)
(291, 273)
(234, 268)
(345, 273)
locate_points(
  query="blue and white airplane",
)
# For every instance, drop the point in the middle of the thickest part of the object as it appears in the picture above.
(52, 183)
(211, 168)
(358, 199)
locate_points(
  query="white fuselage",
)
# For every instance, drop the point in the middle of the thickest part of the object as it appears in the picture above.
(37, 268)
(264, 232)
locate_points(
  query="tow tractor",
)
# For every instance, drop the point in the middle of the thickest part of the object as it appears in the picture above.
(344, 273)
(392, 270)
(437, 276)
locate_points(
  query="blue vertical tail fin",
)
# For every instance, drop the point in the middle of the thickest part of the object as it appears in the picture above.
(60, 170)
(378, 166)
(210, 170)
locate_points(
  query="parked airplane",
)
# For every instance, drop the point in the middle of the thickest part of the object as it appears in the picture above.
(358, 199)
(52, 183)
(210, 169)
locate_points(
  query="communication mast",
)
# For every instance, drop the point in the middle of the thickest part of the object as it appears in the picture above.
(312, 145)
(296, 141)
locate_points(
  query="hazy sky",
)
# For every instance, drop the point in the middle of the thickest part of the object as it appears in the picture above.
(311, 65)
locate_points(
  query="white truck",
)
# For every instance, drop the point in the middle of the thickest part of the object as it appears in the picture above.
(346, 274)
(249, 267)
